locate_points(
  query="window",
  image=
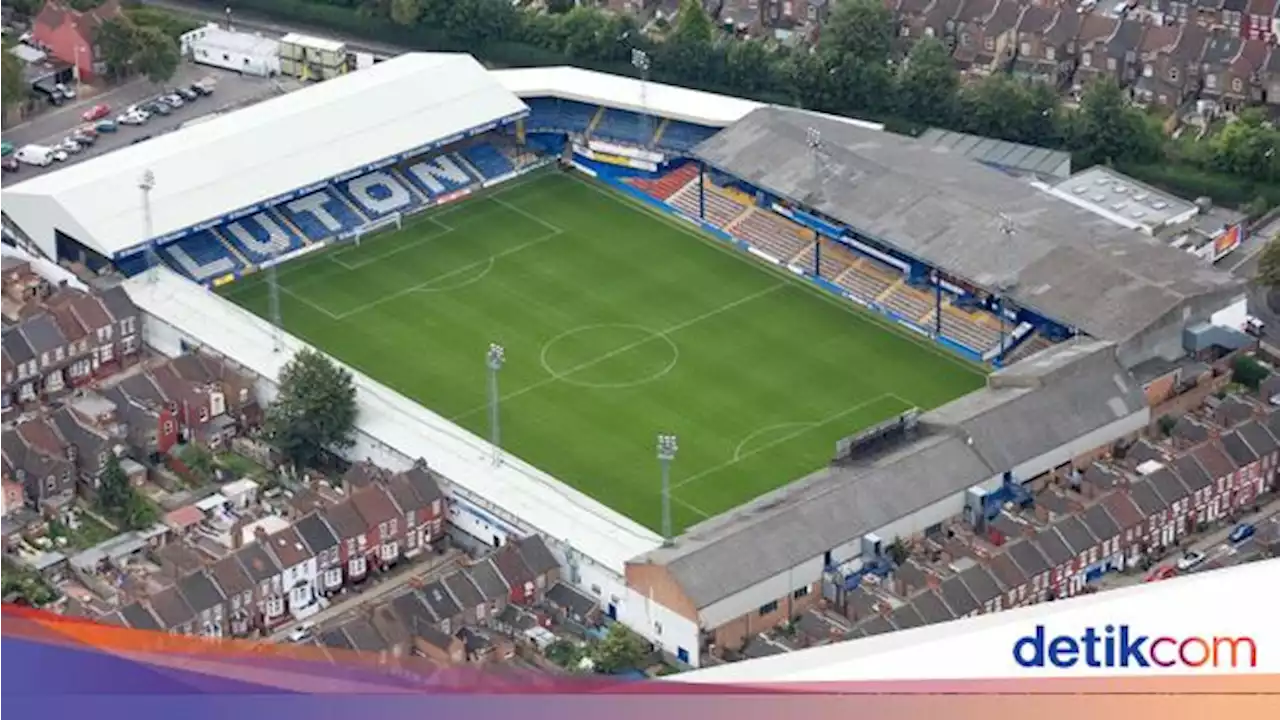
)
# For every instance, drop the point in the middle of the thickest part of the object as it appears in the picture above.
(595, 589)
(104, 333)
(1050, 53)
(1237, 85)
(392, 526)
(58, 354)
(51, 484)
(989, 44)
(768, 608)
(129, 344)
(965, 39)
(480, 611)
(128, 325)
(1111, 64)
(435, 507)
(44, 359)
(382, 529)
(275, 606)
(204, 414)
(105, 354)
(1211, 81)
(168, 427)
(1173, 74)
(800, 592)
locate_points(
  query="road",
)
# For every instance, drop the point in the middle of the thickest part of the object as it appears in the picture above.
(250, 21)
(1213, 544)
(234, 91)
(428, 569)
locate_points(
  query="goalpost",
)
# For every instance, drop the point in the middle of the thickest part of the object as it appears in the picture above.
(394, 219)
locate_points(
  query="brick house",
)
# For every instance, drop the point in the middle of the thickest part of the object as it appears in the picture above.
(1087, 550)
(1171, 74)
(385, 521)
(241, 593)
(1241, 77)
(323, 542)
(69, 34)
(267, 576)
(1014, 584)
(152, 428)
(444, 648)
(1256, 22)
(1132, 526)
(984, 587)
(418, 495)
(36, 456)
(208, 602)
(1051, 56)
(445, 608)
(1199, 484)
(475, 609)
(969, 20)
(1263, 443)
(541, 563)
(1179, 514)
(1029, 59)
(353, 536)
(88, 445)
(1033, 565)
(517, 575)
(1214, 500)
(1061, 561)
(298, 570)
(173, 612)
(992, 38)
(15, 496)
(910, 16)
(1114, 56)
(492, 586)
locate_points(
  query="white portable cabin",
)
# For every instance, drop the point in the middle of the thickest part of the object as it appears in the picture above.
(246, 53)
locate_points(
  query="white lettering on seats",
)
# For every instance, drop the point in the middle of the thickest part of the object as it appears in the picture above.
(314, 205)
(430, 172)
(397, 195)
(277, 241)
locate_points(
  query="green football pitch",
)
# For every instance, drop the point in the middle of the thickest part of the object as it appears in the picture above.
(618, 323)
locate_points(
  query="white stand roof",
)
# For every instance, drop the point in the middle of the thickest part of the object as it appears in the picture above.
(235, 161)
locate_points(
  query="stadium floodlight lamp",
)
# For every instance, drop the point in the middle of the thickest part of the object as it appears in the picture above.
(496, 356)
(640, 59)
(667, 447)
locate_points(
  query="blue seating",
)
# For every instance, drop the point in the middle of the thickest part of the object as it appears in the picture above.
(627, 127)
(321, 215)
(552, 114)
(200, 256)
(261, 236)
(380, 193)
(438, 175)
(488, 160)
(684, 136)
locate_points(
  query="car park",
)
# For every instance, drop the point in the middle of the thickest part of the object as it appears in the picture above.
(1240, 533)
(97, 112)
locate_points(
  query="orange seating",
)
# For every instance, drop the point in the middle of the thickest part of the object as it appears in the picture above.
(772, 233)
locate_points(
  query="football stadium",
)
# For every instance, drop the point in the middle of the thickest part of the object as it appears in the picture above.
(535, 272)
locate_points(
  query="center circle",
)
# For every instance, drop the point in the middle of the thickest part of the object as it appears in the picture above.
(609, 355)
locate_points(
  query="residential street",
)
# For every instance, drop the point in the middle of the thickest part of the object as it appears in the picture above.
(247, 20)
(427, 569)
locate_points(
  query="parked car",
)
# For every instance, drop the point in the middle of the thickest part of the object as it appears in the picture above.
(89, 130)
(205, 86)
(97, 112)
(187, 94)
(1240, 533)
(1190, 559)
(302, 632)
(67, 92)
(84, 139)
(136, 116)
(10, 164)
(157, 107)
(174, 101)
(69, 145)
(6, 148)
(106, 126)
(1161, 573)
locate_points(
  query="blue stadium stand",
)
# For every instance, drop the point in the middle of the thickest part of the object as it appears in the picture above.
(380, 193)
(684, 136)
(201, 256)
(321, 215)
(550, 114)
(260, 237)
(626, 127)
(438, 175)
(488, 160)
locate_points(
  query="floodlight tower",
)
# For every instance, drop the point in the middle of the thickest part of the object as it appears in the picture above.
(493, 360)
(667, 447)
(1007, 229)
(273, 309)
(640, 59)
(146, 183)
(813, 139)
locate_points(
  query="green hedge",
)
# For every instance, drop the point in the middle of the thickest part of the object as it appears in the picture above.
(1192, 182)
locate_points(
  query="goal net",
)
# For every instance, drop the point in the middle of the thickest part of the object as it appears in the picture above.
(395, 220)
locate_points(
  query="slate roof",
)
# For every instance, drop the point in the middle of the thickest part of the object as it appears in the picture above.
(957, 596)
(931, 608)
(1146, 499)
(258, 563)
(981, 583)
(171, 609)
(1076, 535)
(1191, 472)
(487, 578)
(336, 639)
(231, 576)
(877, 625)
(375, 505)
(1007, 571)
(1121, 508)
(345, 521)
(1238, 450)
(200, 592)
(412, 610)
(1053, 548)
(1167, 484)
(137, 616)
(463, 589)
(1030, 561)
(364, 637)
(1259, 439)
(906, 617)
(511, 565)
(423, 483)
(288, 548)
(1100, 523)
(537, 556)
(572, 600)
(442, 603)
(316, 533)
(1214, 461)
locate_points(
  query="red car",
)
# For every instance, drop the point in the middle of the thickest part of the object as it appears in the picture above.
(1162, 573)
(97, 112)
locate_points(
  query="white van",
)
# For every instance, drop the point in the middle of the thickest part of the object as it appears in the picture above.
(35, 155)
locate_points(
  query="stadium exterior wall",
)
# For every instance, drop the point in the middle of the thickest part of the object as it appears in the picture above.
(1163, 339)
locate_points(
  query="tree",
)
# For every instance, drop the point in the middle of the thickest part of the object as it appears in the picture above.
(406, 12)
(1010, 109)
(619, 650)
(1248, 372)
(14, 88)
(115, 40)
(157, 54)
(1108, 129)
(315, 409)
(861, 28)
(1268, 274)
(119, 500)
(927, 84)
(693, 26)
(1248, 146)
